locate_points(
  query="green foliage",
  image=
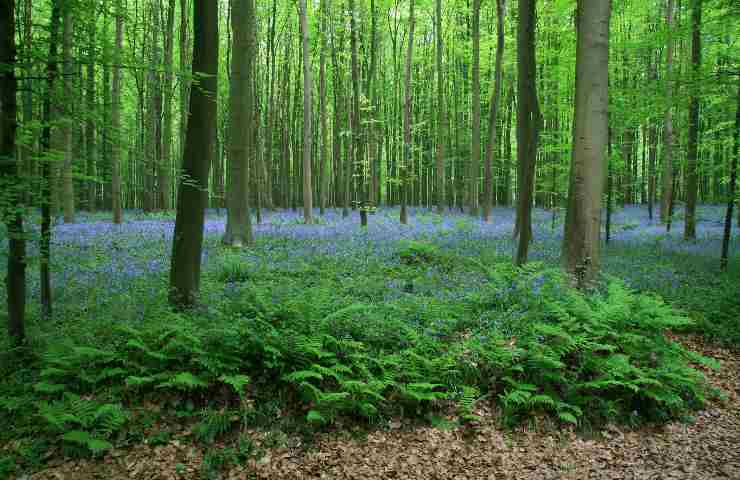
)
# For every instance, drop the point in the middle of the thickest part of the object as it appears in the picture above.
(81, 423)
(413, 252)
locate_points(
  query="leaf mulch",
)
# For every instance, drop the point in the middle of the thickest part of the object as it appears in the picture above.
(708, 448)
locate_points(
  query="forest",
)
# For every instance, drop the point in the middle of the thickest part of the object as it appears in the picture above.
(369, 239)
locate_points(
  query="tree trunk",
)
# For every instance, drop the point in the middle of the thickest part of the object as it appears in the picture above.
(528, 125)
(323, 174)
(13, 189)
(407, 119)
(473, 179)
(731, 187)
(154, 122)
(590, 137)
(692, 184)
(307, 106)
(68, 192)
(492, 146)
(441, 113)
(193, 191)
(52, 71)
(165, 165)
(115, 156)
(185, 74)
(90, 127)
(241, 110)
(668, 140)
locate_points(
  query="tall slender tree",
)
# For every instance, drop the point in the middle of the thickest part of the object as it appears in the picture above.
(692, 175)
(307, 107)
(11, 188)
(187, 243)
(733, 184)
(241, 110)
(68, 193)
(324, 147)
(590, 136)
(407, 145)
(474, 176)
(666, 196)
(528, 126)
(441, 112)
(115, 118)
(492, 145)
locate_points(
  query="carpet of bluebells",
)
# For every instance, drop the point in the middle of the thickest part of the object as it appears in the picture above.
(118, 273)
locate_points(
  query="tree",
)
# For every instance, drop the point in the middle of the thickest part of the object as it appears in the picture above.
(590, 136)
(492, 146)
(733, 183)
(307, 105)
(528, 125)
(11, 187)
(473, 177)
(441, 112)
(356, 126)
(241, 110)
(115, 118)
(187, 243)
(666, 197)
(68, 193)
(407, 119)
(692, 177)
(46, 171)
(165, 188)
(323, 167)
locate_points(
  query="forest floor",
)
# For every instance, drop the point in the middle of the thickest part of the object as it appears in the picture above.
(705, 449)
(106, 276)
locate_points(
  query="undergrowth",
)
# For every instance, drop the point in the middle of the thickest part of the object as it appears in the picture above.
(319, 342)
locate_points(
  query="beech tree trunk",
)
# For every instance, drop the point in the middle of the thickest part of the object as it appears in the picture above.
(668, 139)
(115, 156)
(590, 137)
(528, 125)
(692, 177)
(67, 187)
(441, 113)
(187, 243)
(323, 174)
(165, 165)
(241, 111)
(405, 165)
(731, 188)
(473, 179)
(307, 104)
(11, 188)
(492, 145)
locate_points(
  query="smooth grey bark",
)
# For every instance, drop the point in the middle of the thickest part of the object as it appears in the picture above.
(307, 107)
(165, 165)
(67, 184)
(241, 111)
(692, 177)
(323, 154)
(441, 113)
(473, 177)
(668, 135)
(590, 137)
(492, 145)
(529, 120)
(404, 167)
(115, 118)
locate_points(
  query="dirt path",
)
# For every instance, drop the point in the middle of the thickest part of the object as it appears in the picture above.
(707, 449)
